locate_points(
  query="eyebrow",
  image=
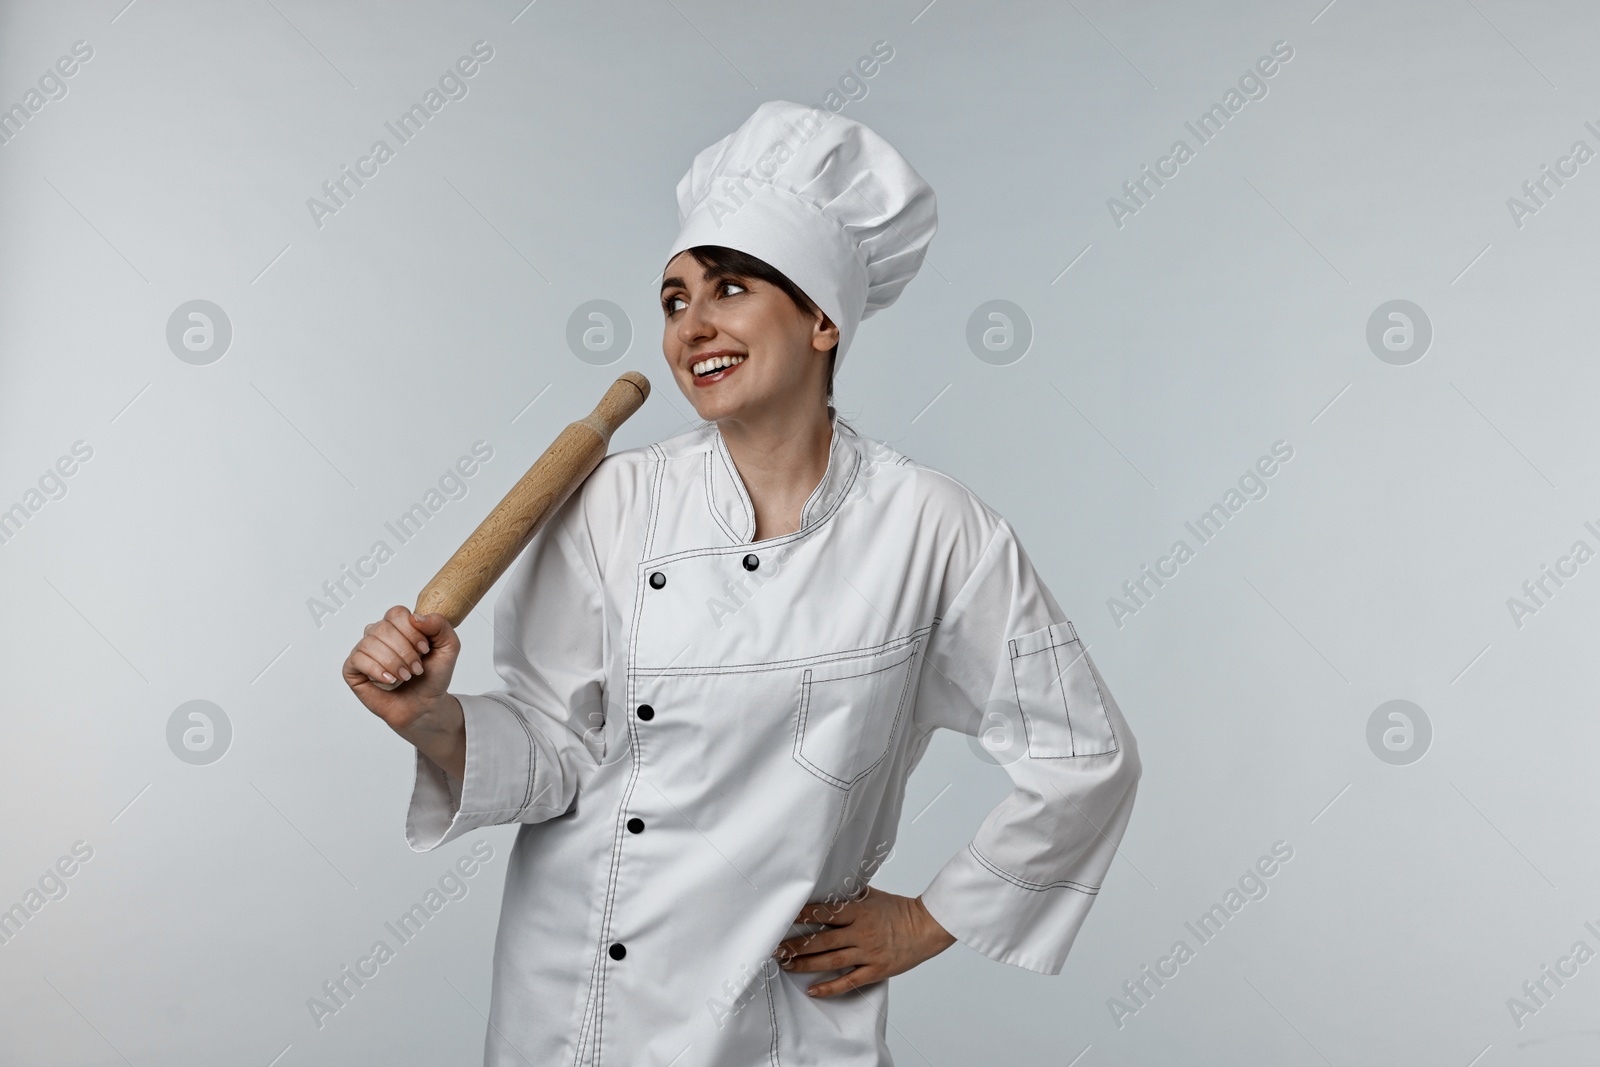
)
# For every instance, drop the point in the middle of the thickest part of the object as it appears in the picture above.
(711, 272)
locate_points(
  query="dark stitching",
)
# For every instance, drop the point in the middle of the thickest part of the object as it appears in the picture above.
(1051, 640)
(875, 670)
(805, 710)
(784, 664)
(597, 986)
(655, 496)
(1072, 737)
(1099, 694)
(800, 732)
(912, 673)
(772, 1013)
(587, 1037)
(719, 446)
(1086, 755)
(616, 862)
(838, 824)
(622, 809)
(1036, 887)
(771, 542)
(834, 446)
(1016, 686)
(711, 503)
(585, 1027)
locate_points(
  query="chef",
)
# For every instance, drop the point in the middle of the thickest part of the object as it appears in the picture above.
(723, 656)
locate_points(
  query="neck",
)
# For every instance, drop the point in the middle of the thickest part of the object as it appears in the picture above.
(781, 460)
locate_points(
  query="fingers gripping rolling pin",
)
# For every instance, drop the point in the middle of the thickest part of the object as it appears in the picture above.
(554, 476)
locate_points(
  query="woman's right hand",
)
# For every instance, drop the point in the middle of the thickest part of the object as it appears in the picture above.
(419, 652)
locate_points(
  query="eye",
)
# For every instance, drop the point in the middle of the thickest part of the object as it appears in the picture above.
(722, 286)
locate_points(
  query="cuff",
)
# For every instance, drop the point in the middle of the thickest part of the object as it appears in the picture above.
(498, 787)
(1009, 920)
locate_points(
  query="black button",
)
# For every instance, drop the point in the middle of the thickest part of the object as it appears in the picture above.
(646, 712)
(657, 579)
(617, 951)
(751, 562)
(635, 825)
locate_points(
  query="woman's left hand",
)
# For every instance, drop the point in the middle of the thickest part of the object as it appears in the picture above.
(878, 936)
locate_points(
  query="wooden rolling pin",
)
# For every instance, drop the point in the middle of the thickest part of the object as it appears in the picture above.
(501, 537)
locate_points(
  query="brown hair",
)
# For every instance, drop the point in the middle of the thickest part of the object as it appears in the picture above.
(733, 261)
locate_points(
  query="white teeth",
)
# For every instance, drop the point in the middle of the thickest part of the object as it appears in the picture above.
(706, 366)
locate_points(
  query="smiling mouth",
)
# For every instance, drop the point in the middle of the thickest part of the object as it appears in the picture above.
(707, 368)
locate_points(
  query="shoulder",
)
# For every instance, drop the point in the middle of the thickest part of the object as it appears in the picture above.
(939, 500)
(615, 497)
(957, 530)
(622, 479)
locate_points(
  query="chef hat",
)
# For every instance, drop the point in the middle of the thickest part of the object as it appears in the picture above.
(819, 197)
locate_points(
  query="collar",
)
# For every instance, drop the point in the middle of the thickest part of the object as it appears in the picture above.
(730, 501)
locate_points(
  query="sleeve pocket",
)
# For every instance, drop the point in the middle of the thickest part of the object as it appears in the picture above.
(1059, 695)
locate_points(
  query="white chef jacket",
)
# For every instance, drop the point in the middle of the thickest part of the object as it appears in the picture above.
(699, 734)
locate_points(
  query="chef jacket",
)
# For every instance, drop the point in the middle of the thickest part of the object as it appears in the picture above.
(699, 734)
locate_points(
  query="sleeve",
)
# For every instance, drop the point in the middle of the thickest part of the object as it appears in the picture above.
(1008, 667)
(532, 741)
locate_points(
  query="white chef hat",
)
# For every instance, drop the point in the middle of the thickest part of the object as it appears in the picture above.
(819, 197)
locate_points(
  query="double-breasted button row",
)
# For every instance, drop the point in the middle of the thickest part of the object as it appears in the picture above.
(635, 825)
(751, 562)
(618, 949)
(645, 712)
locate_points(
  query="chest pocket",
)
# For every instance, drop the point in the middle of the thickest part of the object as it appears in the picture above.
(851, 710)
(1059, 695)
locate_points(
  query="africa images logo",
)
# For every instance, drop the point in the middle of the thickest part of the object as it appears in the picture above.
(342, 188)
(1252, 485)
(1252, 885)
(453, 885)
(1252, 85)
(341, 589)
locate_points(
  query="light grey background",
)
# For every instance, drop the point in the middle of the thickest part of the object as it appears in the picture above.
(1230, 312)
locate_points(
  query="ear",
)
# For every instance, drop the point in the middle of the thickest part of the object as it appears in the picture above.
(824, 334)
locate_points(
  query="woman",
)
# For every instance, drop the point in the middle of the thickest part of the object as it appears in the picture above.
(726, 652)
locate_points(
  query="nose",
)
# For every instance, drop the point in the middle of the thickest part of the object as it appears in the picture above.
(693, 324)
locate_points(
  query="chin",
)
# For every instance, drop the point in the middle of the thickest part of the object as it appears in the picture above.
(713, 407)
(709, 408)
(715, 412)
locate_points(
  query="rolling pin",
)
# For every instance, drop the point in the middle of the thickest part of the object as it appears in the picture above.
(554, 476)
